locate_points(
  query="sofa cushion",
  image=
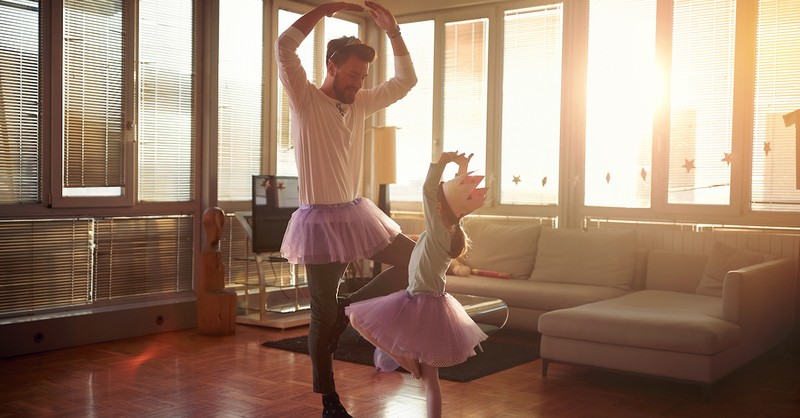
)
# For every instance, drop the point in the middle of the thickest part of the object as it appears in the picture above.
(724, 258)
(675, 271)
(505, 247)
(653, 319)
(601, 258)
(532, 295)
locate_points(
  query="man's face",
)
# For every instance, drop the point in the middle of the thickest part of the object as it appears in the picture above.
(348, 79)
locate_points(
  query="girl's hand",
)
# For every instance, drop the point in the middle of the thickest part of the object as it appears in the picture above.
(463, 162)
(381, 15)
(448, 157)
(332, 8)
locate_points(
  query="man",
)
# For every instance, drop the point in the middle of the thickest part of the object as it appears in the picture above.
(334, 226)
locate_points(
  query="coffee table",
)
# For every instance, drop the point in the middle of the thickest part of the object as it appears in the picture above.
(479, 307)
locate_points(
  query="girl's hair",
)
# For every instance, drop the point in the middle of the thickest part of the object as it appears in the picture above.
(459, 242)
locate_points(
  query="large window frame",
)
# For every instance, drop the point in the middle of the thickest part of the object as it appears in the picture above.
(571, 209)
(87, 252)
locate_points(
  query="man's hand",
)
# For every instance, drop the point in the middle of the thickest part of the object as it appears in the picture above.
(382, 16)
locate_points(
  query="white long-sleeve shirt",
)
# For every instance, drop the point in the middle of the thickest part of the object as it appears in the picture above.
(329, 146)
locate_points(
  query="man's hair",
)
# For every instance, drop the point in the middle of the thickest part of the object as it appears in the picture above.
(340, 49)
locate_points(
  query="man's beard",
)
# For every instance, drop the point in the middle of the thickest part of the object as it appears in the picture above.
(342, 94)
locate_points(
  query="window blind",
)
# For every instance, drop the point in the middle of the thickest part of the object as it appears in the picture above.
(20, 170)
(413, 114)
(46, 265)
(465, 91)
(240, 100)
(166, 106)
(142, 256)
(531, 119)
(93, 54)
(777, 93)
(701, 102)
(623, 92)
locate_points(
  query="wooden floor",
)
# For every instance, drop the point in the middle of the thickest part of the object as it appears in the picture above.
(183, 374)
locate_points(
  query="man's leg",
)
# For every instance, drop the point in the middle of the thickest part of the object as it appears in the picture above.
(323, 280)
(395, 278)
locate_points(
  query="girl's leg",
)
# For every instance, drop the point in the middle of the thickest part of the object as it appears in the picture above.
(433, 391)
(411, 365)
(395, 278)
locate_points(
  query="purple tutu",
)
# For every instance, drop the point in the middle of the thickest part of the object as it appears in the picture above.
(431, 328)
(341, 233)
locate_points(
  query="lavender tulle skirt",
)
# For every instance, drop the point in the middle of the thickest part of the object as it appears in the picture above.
(341, 233)
(431, 328)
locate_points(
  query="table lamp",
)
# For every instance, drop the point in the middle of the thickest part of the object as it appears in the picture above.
(384, 162)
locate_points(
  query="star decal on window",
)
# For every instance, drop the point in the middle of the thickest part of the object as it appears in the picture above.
(727, 158)
(516, 180)
(643, 173)
(688, 164)
(767, 147)
(544, 180)
(608, 178)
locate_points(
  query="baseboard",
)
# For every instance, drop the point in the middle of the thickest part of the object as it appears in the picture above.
(80, 328)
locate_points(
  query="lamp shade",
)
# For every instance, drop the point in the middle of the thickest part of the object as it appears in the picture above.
(383, 146)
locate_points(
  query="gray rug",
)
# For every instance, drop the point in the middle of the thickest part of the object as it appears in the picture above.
(495, 357)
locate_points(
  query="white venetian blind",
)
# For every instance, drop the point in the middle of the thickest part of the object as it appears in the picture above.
(623, 92)
(701, 102)
(413, 114)
(19, 102)
(166, 109)
(465, 91)
(529, 172)
(240, 102)
(777, 93)
(93, 53)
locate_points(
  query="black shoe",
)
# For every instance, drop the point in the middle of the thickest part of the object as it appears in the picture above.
(342, 321)
(333, 408)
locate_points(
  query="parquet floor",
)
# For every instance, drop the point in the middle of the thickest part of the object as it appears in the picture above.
(183, 374)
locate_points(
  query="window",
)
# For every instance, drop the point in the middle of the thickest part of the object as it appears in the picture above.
(701, 102)
(413, 114)
(166, 102)
(117, 140)
(531, 122)
(94, 59)
(464, 91)
(777, 93)
(20, 168)
(623, 90)
(239, 132)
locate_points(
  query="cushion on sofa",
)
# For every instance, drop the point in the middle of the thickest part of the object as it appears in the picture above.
(532, 295)
(724, 258)
(675, 271)
(601, 258)
(506, 247)
(654, 319)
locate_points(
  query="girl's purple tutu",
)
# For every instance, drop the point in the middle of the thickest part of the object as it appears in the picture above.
(342, 233)
(431, 328)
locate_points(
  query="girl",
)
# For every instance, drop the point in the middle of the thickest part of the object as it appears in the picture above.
(422, 327)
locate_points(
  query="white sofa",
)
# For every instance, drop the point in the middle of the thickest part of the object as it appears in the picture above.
(600, 301)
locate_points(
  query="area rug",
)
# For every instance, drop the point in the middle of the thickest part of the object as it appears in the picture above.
(495, 357)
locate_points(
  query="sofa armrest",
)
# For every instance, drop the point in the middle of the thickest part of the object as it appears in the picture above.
(761, 298)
